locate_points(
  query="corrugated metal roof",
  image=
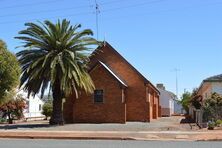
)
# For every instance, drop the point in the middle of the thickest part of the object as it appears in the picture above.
(214, 78)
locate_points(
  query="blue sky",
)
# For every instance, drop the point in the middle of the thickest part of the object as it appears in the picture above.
(156, 36)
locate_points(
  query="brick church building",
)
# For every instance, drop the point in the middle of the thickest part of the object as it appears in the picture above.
(122, 93)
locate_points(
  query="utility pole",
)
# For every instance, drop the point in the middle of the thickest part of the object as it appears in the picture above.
(97, 15)
(176, 71)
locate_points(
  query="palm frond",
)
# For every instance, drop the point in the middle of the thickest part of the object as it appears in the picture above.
(55, 54)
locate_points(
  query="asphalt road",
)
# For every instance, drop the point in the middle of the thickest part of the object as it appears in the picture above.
(25, 143)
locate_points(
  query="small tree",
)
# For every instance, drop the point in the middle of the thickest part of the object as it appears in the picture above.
(185, 101)
(191, 99)
(9, 72)
(196, 101)
(13, 109)
(47, 109)
(213, 107)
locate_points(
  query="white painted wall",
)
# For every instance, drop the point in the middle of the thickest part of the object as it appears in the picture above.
(167, 100)
(171, 103)
(34, 105)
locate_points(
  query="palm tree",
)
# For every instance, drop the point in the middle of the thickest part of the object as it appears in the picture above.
(55, 56)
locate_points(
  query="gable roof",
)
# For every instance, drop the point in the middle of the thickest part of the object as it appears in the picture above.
(25, 96)
(122, 82)
(171, 94)
(105, 43)
(216, 78)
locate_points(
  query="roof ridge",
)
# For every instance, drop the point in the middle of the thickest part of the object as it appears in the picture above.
(215, 77)
(111, 72)
(105, 43)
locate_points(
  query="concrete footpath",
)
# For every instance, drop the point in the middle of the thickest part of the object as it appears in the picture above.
(115, 135)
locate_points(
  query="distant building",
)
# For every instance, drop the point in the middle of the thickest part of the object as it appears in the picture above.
(210, 85)
(34, 105)
(178, 108)
(167, 100)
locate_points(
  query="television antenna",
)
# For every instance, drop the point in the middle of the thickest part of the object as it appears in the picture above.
(97, 18)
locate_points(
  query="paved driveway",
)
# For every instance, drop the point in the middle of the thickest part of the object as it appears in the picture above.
(162, 124)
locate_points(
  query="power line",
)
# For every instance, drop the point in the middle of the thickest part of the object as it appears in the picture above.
(118, 8)
(152, 12)
(157, 1)
(29, 4)
(134, 5)
(27, 20)
(69, 8)
(43, 11)
(97, 13)
(52, 10)
(111, 2)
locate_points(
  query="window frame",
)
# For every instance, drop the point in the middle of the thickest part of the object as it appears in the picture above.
(40, 107)
(94, 100)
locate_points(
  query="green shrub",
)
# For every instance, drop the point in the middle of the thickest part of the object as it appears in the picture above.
(3, 120)
(47, 109)
(211, 125)
(218, 122)
(212, 108)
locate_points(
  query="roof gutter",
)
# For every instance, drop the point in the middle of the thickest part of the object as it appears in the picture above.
(148, 83)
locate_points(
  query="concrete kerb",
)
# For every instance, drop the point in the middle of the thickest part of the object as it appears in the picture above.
(108, 135)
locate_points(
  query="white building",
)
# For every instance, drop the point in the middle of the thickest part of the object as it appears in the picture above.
(34, 105)
(166, 101)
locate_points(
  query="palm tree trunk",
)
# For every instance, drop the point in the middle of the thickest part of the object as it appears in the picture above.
(57, 114)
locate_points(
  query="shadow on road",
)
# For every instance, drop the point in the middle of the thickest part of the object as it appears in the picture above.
(28, 126)
(187, 120)
(191, 122)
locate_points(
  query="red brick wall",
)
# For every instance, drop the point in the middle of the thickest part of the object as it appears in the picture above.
(68, 110)
(156, 106)
(148, 112)
(159, 107)
(111, 111)
(151, 103)
(137, 107)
